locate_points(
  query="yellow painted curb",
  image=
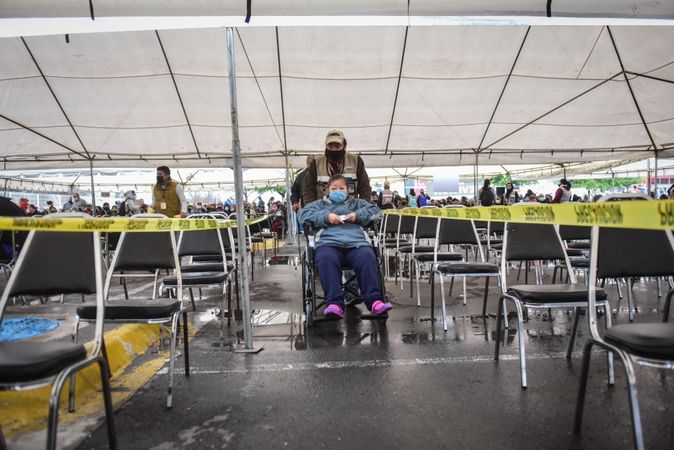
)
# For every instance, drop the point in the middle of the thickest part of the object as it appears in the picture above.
(25, 411)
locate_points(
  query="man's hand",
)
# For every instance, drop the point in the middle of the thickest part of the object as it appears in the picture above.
(351, 217)
(296, 206)
(333, 219)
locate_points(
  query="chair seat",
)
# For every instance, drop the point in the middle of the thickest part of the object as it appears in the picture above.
(207, 258)
(30, 361)
(257, 239)
(468, 268)
(266, 235)
(575, 252)
(426, 257)
(649, 340)
(582, 245)
(131, 309)
(498, 246)
(491, 241)
(553, 293)
(205, 267)
(394, 240)
(195, 278)
(417, 249)
(402, 245)
(580, 263)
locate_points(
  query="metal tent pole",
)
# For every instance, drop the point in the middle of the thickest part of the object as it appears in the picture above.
(244, 290)
(655, 189)
(93, 191)
(476, 172)
(648, 178)
(290, 215)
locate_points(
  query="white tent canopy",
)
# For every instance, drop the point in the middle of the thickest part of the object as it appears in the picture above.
(403, 95)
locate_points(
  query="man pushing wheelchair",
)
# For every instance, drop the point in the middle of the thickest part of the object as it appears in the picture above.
(341, 241)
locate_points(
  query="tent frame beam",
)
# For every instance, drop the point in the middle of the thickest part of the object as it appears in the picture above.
(51, 90)
(629, 86)
(27, 128)
(601, 83)
(395, 99)
(180, 99)
(505, 85)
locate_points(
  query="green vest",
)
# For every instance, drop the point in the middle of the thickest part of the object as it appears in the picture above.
(166, 197)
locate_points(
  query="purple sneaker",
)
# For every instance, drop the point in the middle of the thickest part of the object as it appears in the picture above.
(333, 312)
(379, 307)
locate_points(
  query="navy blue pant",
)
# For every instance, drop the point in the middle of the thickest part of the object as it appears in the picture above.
(330, 260)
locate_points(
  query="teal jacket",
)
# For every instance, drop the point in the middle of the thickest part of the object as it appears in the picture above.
(344, 235)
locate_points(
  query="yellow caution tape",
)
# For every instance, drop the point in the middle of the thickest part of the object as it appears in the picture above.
(116, 224)
(645, 215)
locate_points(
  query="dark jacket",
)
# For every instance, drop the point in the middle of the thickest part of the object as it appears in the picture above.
(297, 188)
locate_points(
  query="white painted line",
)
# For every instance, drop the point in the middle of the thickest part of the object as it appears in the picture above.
(373, 363)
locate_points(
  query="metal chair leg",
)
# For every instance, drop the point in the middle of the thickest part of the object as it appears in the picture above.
(486, 294)
(173, 338)
(584, 372)
(444, 305)
(186, 345)
(576, 317)
(668, 303)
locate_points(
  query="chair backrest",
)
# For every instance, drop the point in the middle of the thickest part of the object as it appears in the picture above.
(391, 226)
(200, 242)
(575, 232)
(426, 227)
(532, 242)
(495, 227)
(456, 231)
(406, 225)
(624, 252)
(53, 263)
(144, 251)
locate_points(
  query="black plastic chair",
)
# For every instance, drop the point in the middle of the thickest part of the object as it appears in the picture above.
(619, 253)
(54, 263)
(205, 243)
(424, 228)
(540, 242)
(461, 232)
(143, 251)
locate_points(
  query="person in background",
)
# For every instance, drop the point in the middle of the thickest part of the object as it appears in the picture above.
(510, 197)
(386, 198)
(670, 191)
(412, 199)
(563, 193)
(422, 199)
(78, 203)
(106, 209)
(131, 206)
(297, 190)
(168, 197)
(486, 194)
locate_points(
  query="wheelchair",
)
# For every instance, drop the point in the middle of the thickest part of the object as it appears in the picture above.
(311, 301)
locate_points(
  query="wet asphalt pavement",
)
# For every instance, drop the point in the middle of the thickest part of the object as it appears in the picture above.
(404, 383)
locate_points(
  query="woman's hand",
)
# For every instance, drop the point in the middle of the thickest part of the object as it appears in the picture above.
(333, 219)
(351, 217)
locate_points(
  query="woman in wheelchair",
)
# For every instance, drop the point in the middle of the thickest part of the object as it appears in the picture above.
(341, 241)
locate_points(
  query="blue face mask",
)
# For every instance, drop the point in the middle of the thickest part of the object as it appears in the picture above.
(337, 196)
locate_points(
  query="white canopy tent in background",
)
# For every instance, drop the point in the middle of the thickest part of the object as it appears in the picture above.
(114, 84)
(404, 95)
